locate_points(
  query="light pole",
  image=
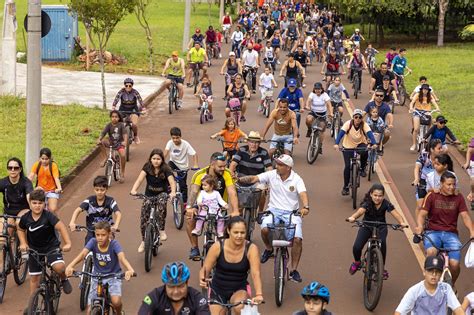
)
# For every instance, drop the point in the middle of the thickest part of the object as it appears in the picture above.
(187, 18)
(10, 25)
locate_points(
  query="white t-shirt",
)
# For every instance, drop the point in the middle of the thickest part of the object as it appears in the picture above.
(419, 301)
(318, 103)
(250, 58)
(213, 200)
(237, 36)
(284, 195)
(266, 80)
(433, 181)
(179, 155)
(470, 298)
(269, 52)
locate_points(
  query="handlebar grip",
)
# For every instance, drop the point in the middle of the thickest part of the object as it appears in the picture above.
(417, 238)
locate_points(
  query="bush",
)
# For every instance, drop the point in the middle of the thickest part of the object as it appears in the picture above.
(467, 32)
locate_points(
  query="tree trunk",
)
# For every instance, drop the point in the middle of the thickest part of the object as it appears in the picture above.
(381, 36)
(370, 28)
(443, 8)
(102, 76)
(209, 11)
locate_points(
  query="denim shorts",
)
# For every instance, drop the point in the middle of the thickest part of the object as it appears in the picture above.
(445, 240)
(286, 138)
(52, 195)
(115, 288)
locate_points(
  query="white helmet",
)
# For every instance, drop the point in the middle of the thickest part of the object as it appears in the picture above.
(357, 30)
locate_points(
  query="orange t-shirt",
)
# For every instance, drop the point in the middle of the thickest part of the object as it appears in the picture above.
(45, 180)
(232, 136)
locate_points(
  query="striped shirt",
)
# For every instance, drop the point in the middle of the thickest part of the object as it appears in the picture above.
(252, 164)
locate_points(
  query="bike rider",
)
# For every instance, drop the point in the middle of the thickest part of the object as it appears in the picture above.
(197, 37)
(316, 297)
(302, 57)
(230, 68)
(332, 67)
(417, 89)
(196, 57)
(238, 89)
(226, 22)
(390, 95)
(378, 77)
(175, 296)
(225, 186)
(175, 70)
(131, 103)
(211, 41)
(357, 64)
(399, 63)
(320, 109)
(292, 33)
(390, 56)
(338, 93)
(236, 38)
(294, 70)
(286, 189)
(384, 111)
(269, 55)
(251, 62)
(295, 99)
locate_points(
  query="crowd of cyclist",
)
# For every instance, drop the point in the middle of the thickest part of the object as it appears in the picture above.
(261, 35)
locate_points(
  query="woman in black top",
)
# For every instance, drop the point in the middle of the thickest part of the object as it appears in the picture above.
(159, 179)
(16, 188)
(373, 207)
(232, 258)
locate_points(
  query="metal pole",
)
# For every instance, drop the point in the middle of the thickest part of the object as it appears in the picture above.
(33, 83)
(187, 18)
(87, 51)
(221, 10)
(8, 73)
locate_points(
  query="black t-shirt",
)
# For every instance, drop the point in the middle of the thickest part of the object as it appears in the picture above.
(378, 76)
(157, 184)
(40, 234)
(301, 58)
(96, 212)
(377, 214)
(14, 195)
(157, 302)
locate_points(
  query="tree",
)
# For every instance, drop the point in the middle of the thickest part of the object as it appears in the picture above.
(100, 18)
(142, 17)
(443, 8)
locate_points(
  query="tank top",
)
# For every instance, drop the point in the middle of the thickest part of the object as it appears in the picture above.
(231, 276)
(424, 105)
(276, 41)
(282, 123)
(292, 72)
(207, 89)
(175, 68)
(232, 69)
(238, 92)
(226, 20)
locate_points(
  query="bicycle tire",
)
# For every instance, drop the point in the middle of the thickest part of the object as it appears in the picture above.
(248, 221)
(170, 100)
(402, 94)
(178, 212)
(201, 116)
(373, 277)
(175, 99)
(279, 275)
(108, 172)
(354, 174)
(55, 291)
(85, 284)
(313, 148)
(97, 310)
(38, 303)
(3, 273)
(21, 265)
(149, 238)
(266, 108)
(356, 85)
(127, 146)
(447, 278)
(196, 81)
(117, 170)
(372, 156)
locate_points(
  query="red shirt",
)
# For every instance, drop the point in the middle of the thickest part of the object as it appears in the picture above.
(443, 211)
(257, 47)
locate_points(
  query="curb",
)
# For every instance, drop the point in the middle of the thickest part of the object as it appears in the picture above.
(87, 159)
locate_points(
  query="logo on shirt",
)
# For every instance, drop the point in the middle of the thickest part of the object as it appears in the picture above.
(292, 188)
(202, 302)
(147, 300)
(185, 311)
(36, 228)
(259, 159)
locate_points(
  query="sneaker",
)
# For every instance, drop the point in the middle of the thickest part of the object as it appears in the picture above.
(385, 274)
(163, 236)
(295, 276)
(260, 216)
(363, 173)
(195, 232)
(278, 62)
(266, 255)
(220, 55)
(243, 118)
(345, 191)
(304, 85)
(253, 91)
(260, 108)
(26, 311)
(308, 133)
(67, 288)
(199, 107)
(180, 103)
(413, 148)
(141, 248)
(355, 266)
(137, 140)
(189, 85)
(210, 116)
(194, 254)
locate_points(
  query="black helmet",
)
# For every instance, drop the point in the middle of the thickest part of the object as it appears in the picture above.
(128, 80)
(318, 85)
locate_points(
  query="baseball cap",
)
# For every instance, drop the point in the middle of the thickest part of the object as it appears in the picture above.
(441, 118)
(434, 262)
(175, 53)
(285, 159)
(386, 78)
(358, 112)
(291, 83)
(272, 22)
(426, 86)
(231, 53)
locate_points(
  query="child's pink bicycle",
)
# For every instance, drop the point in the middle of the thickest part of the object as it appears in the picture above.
(236, 109)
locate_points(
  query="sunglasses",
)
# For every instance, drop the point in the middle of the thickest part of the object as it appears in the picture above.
(219, 158)
(378, 95)
(442, 122)
(128, 85)
(13, 168)
(357, 117)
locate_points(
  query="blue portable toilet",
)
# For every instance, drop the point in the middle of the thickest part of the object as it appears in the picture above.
(58, 45)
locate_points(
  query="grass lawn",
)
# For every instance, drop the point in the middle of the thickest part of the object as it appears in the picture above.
(166, 18)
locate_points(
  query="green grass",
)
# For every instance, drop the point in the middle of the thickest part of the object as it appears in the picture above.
(166, 18)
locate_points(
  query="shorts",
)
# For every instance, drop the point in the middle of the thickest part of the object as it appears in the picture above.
(276, 46)
(286, 138)
(115, 288)
(283, 215)
(52, 195)
(421, 190)
(446, 240)
(332, 73)
(194, 65)
(254, 186)
(470, 170)
(224, 295)
(119, 148)
(337, 104)
(417, 112)
(34, 266)
(176, 79)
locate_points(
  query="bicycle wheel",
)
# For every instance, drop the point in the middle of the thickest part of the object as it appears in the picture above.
(127, 146)
(354, 174)
(447, 278)
(149, 239)
(279, 275)
(85, 283)
(202, 115)
(96, 310)
(38, 303)
(313, 147)
(356, 85)
(55, 292)
(108, 172)
(3, 272)
(175, 99)
(373, 278)
(402, 98)
(178, 211)
(196, 81)
(372, 156)
(248, 221)
(21, 265)
(266, 108)
(171, 100)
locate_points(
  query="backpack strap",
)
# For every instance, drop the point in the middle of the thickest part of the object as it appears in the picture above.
(50, 171)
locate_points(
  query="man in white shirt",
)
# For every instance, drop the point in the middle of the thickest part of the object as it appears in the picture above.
(179, 151)
(251, 62)
(286, 188)
(430, 296)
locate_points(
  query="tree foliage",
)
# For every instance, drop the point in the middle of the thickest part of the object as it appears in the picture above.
(142, 17)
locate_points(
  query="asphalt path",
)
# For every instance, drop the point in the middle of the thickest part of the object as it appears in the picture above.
(328, 239)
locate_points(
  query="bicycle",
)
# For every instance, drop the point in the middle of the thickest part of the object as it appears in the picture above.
(196, 74)
(371, 64)
(267, 102)
(12, 259)
(336, 123)
(102, 303)
(112, 166)
(229, 306)
(282, 236)
(226, 29)
(211, 51)
(173, 95)
(402, 90)
(354, 181)
(85, 283)
(152, 235)
(129, 131)
(178, 203)
(270, 62)
(204, 114)
(249, 200)
(425, 124)
(250, 73)
(356, 83)
(229, 152)
(374, 154)
(235, 107)
(315, 144)
(280, 148)
(372, 262)
(45, 299)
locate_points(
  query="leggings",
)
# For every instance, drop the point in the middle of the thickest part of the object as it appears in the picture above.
(145, 215)
(347, 162)
(363, 236)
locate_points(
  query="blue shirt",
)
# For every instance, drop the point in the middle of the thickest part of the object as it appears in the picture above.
(399, 64)
(293, 98)
(384, 109)
(105, 261)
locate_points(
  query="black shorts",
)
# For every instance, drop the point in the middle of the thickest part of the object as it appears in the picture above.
(12, 211)
(34, 266)
(176, 79)
(421, 189)
(224, 295)
(334, 104)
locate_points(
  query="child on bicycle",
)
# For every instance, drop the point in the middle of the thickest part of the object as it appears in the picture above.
(204, 91)
(266, 82)
(98, 207)
(108, 256)
(316, 298)
(38, 230)
(376, 123)
(374, 208)
(117, 138)
(231, 135)
(439, 131)
(468, 303)
(209, 200)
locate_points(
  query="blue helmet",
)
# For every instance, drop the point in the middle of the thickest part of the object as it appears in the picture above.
(316, 290)
(175, 273)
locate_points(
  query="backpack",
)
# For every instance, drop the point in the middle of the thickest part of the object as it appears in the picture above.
(50, 170)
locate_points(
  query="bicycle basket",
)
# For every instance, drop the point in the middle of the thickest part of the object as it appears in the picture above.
(234, 103)
(268, 93)
(249, 198)
(425, 120)
(282, 235)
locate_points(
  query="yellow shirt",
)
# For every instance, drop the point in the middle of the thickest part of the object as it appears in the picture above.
(223, 181)
(197, 56)
(423, 105)
(354, 137)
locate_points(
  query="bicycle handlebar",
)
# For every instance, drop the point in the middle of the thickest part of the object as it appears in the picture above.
(7, 216)
(36, 253)
(364, 223)
(231, 305)
(119, 275)
(151, 198)
(277, 141)
(82, 228)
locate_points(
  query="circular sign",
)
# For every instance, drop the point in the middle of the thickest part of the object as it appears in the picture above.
(45, 23)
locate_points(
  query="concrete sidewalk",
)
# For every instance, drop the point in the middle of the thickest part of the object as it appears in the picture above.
(63, 87)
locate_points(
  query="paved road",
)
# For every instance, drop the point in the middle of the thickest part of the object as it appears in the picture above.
(327, 238)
